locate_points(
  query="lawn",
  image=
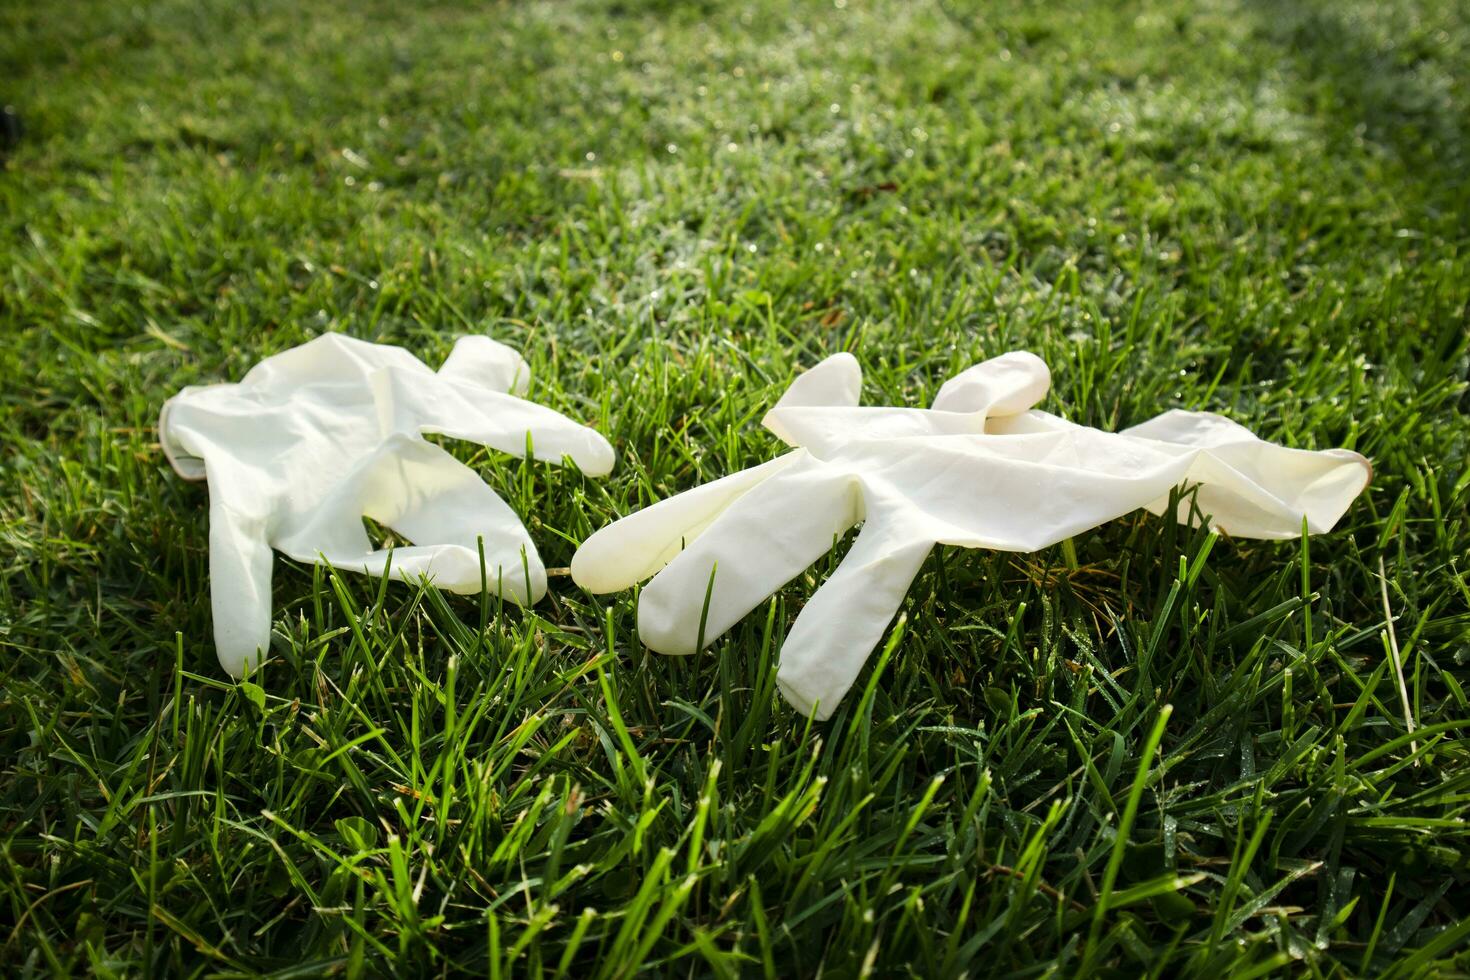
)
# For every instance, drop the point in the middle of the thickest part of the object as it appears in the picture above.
(1150, 752)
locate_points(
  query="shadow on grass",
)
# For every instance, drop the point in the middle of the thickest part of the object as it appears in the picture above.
(1391, 81)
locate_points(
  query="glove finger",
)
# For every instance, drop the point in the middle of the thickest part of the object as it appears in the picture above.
(439, 504)
(240, 563)
(460, 410)
(488, 364)
(630, 550)
(846, 618)
(1004, 385)
(836, 381)
(764, 540)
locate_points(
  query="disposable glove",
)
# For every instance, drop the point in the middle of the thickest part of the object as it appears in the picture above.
(981, 469)
(316, 438)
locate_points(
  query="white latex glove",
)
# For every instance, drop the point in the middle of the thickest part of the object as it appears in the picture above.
(316, 438)
(978, 470)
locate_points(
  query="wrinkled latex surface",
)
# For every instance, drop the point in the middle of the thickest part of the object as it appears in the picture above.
(980, 469)
(318, 437)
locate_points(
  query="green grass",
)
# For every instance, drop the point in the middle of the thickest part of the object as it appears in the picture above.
(1174, 756)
